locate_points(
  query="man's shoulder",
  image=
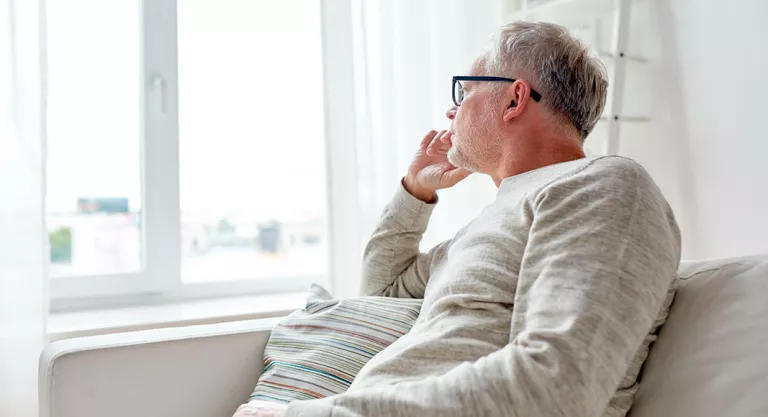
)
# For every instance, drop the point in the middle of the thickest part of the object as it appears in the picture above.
(616, 164)
(603, 178)
(606, 178)
(606, 171)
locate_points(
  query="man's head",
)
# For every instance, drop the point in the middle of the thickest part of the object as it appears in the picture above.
(499, 122)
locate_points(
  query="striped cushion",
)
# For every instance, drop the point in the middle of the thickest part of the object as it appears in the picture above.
(317, 352)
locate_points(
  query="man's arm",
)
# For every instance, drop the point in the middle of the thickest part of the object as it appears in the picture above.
(392, 263)
(602, 253)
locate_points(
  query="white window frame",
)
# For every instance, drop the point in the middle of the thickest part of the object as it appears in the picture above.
(160, 279)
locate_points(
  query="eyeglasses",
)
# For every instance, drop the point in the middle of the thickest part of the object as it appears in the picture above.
(458, 88)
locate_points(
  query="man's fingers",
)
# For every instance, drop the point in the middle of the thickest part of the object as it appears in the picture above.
(445, 143)
(436, 142)
(427, 139)
(455, 175)
(432, 145)
(440, 144)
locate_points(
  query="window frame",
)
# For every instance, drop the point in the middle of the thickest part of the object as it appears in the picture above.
(160, 280)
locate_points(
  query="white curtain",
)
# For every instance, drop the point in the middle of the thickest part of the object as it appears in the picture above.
(408, 52)
(23, 238)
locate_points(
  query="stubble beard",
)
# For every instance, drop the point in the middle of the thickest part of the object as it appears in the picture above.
(476, 147)
(458, 158)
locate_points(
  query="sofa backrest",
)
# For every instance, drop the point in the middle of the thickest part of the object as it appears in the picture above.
(711, 358)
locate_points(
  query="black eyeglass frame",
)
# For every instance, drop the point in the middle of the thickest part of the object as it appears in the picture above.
(534, 94)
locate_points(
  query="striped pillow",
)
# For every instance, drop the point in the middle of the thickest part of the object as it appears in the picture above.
(317, 352)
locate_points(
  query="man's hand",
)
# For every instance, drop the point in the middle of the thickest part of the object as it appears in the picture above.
(430, 170)
(261, 409)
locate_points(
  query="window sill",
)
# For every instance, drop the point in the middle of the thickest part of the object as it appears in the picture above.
(67, 325)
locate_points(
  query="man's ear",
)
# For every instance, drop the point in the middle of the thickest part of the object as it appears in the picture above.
(517, 95)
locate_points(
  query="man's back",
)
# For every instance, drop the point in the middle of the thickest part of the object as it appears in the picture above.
(540, 269)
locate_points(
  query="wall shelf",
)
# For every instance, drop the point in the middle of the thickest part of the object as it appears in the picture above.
(637, 119)
(628, 57)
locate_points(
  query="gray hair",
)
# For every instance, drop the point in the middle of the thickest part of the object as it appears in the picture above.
(572, 81)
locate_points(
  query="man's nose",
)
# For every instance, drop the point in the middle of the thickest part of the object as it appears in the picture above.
(451, 113)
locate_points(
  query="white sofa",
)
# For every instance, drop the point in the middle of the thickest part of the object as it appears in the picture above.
(711, 359)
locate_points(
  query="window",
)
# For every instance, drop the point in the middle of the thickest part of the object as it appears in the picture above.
(94, 179)
(252, 185)
(187, 147)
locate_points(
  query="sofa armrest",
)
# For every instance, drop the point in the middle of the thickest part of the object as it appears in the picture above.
(194, 371)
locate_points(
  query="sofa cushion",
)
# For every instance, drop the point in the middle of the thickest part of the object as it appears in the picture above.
(317, 352)
(711, 357)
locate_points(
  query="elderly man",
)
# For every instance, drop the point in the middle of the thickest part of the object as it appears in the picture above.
(539, 306)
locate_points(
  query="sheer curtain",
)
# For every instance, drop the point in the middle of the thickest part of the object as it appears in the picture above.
(407, 53)
(23, 238)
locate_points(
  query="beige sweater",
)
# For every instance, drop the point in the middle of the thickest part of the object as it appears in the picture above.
(541, 306)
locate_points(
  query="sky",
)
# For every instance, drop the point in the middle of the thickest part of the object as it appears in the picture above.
(250, 104)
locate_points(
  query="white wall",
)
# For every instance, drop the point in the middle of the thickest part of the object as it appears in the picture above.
(721, 79)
